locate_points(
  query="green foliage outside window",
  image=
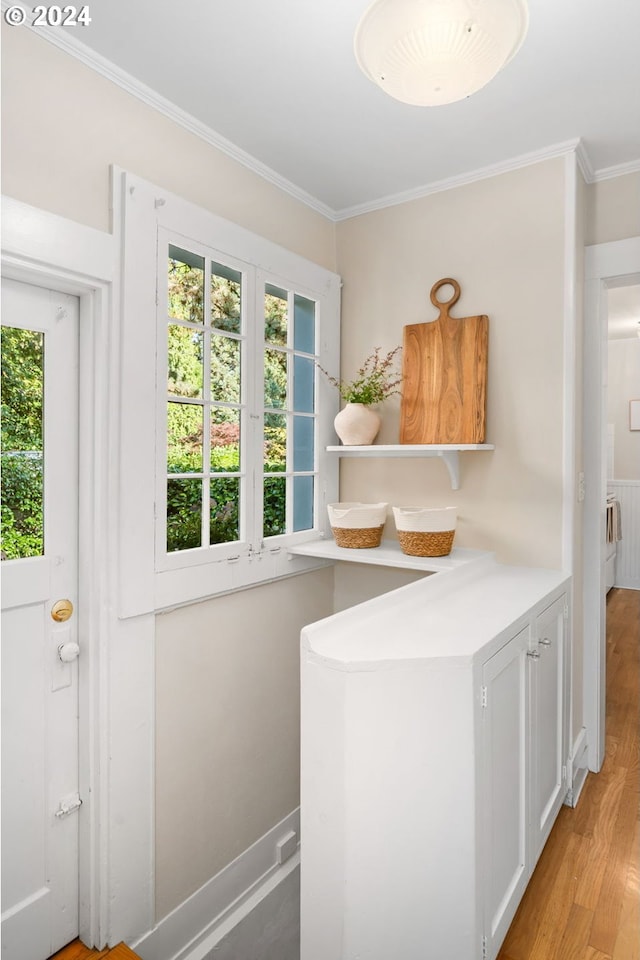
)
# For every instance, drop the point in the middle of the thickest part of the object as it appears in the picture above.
(22, 517)
(184, 498)
(275, 316)
(186, 289)
(185, 380)
(22, 475)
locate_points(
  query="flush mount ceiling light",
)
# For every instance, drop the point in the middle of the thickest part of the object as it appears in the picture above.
(430, 52)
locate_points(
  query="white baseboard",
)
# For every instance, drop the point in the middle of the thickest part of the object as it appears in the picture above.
(579, 766)
(267, 925)
(191, 931)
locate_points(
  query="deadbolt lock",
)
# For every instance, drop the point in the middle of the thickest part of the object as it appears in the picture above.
(61, 610)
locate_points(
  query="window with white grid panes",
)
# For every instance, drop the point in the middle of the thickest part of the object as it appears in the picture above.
(206, 475)
(241, 435)
(225, 419)
(290, 469)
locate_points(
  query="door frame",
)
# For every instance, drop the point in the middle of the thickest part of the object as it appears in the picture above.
(606, 265)
(44, 250)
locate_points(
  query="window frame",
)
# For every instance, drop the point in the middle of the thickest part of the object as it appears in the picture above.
(263, 279)
(166, 560)
(150, 578)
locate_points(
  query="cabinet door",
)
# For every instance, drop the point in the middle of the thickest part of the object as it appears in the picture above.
(504, 787)
(547, 788)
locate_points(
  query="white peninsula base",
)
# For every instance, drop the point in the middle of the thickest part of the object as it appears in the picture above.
(434, 745)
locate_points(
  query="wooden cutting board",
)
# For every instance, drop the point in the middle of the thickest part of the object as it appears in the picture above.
(444, 366)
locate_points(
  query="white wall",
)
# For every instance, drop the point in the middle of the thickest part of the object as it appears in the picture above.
(612, 209)
(227, 688)
(227, 682)
(624, 385)
(577, 618)
(64, 125)
(228, 721)
(356, 582)
(503, 240)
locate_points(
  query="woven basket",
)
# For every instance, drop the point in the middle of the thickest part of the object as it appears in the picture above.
(416, 544)
(358, 537)
(357, 525)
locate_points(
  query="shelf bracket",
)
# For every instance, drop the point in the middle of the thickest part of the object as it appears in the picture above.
(453, 466)
(447, 452)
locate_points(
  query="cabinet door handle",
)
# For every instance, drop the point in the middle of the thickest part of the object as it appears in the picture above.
(545, 642)
(533, 654)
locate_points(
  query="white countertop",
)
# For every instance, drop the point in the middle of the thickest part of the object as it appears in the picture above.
(452, 614)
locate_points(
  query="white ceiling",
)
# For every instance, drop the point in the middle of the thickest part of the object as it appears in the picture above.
(278, 80)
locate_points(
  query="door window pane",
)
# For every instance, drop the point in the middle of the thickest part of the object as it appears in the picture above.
(184, 361)
(276, 321)
(275, 443)
(303, 443)
(22, 443)
(303, 384)
(184, 514)
(304, 324)
(225, 440)
(186, 285)
(302, 503)
(274, 506)
(224, 517)
(184, 438)
(226, 286)
(225, 369)
(275, 378)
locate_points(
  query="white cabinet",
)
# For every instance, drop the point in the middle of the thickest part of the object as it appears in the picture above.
(503, 791)
(547, 705)
(431, 763)
(523, 771)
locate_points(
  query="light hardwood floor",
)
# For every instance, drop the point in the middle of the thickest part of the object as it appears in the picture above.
(583, 900)
(77, 951)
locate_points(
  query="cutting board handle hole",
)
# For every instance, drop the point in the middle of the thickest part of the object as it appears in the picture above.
(443, 305)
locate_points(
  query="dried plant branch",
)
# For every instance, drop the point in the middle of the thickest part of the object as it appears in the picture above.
(375, 381)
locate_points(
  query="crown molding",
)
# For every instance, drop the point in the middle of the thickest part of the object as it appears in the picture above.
(136, 88)
(105, 68)
(619, 170)
(584, 163)
(450, 183)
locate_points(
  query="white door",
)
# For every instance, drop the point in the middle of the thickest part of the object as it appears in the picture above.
(39, 567)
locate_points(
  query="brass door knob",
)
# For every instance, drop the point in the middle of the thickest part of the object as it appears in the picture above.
(61, 610)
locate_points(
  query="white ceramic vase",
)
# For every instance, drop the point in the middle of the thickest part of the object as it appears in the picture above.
(357, 424)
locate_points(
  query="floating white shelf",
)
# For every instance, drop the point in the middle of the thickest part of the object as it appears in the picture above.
(447, 451)
(389, 554)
